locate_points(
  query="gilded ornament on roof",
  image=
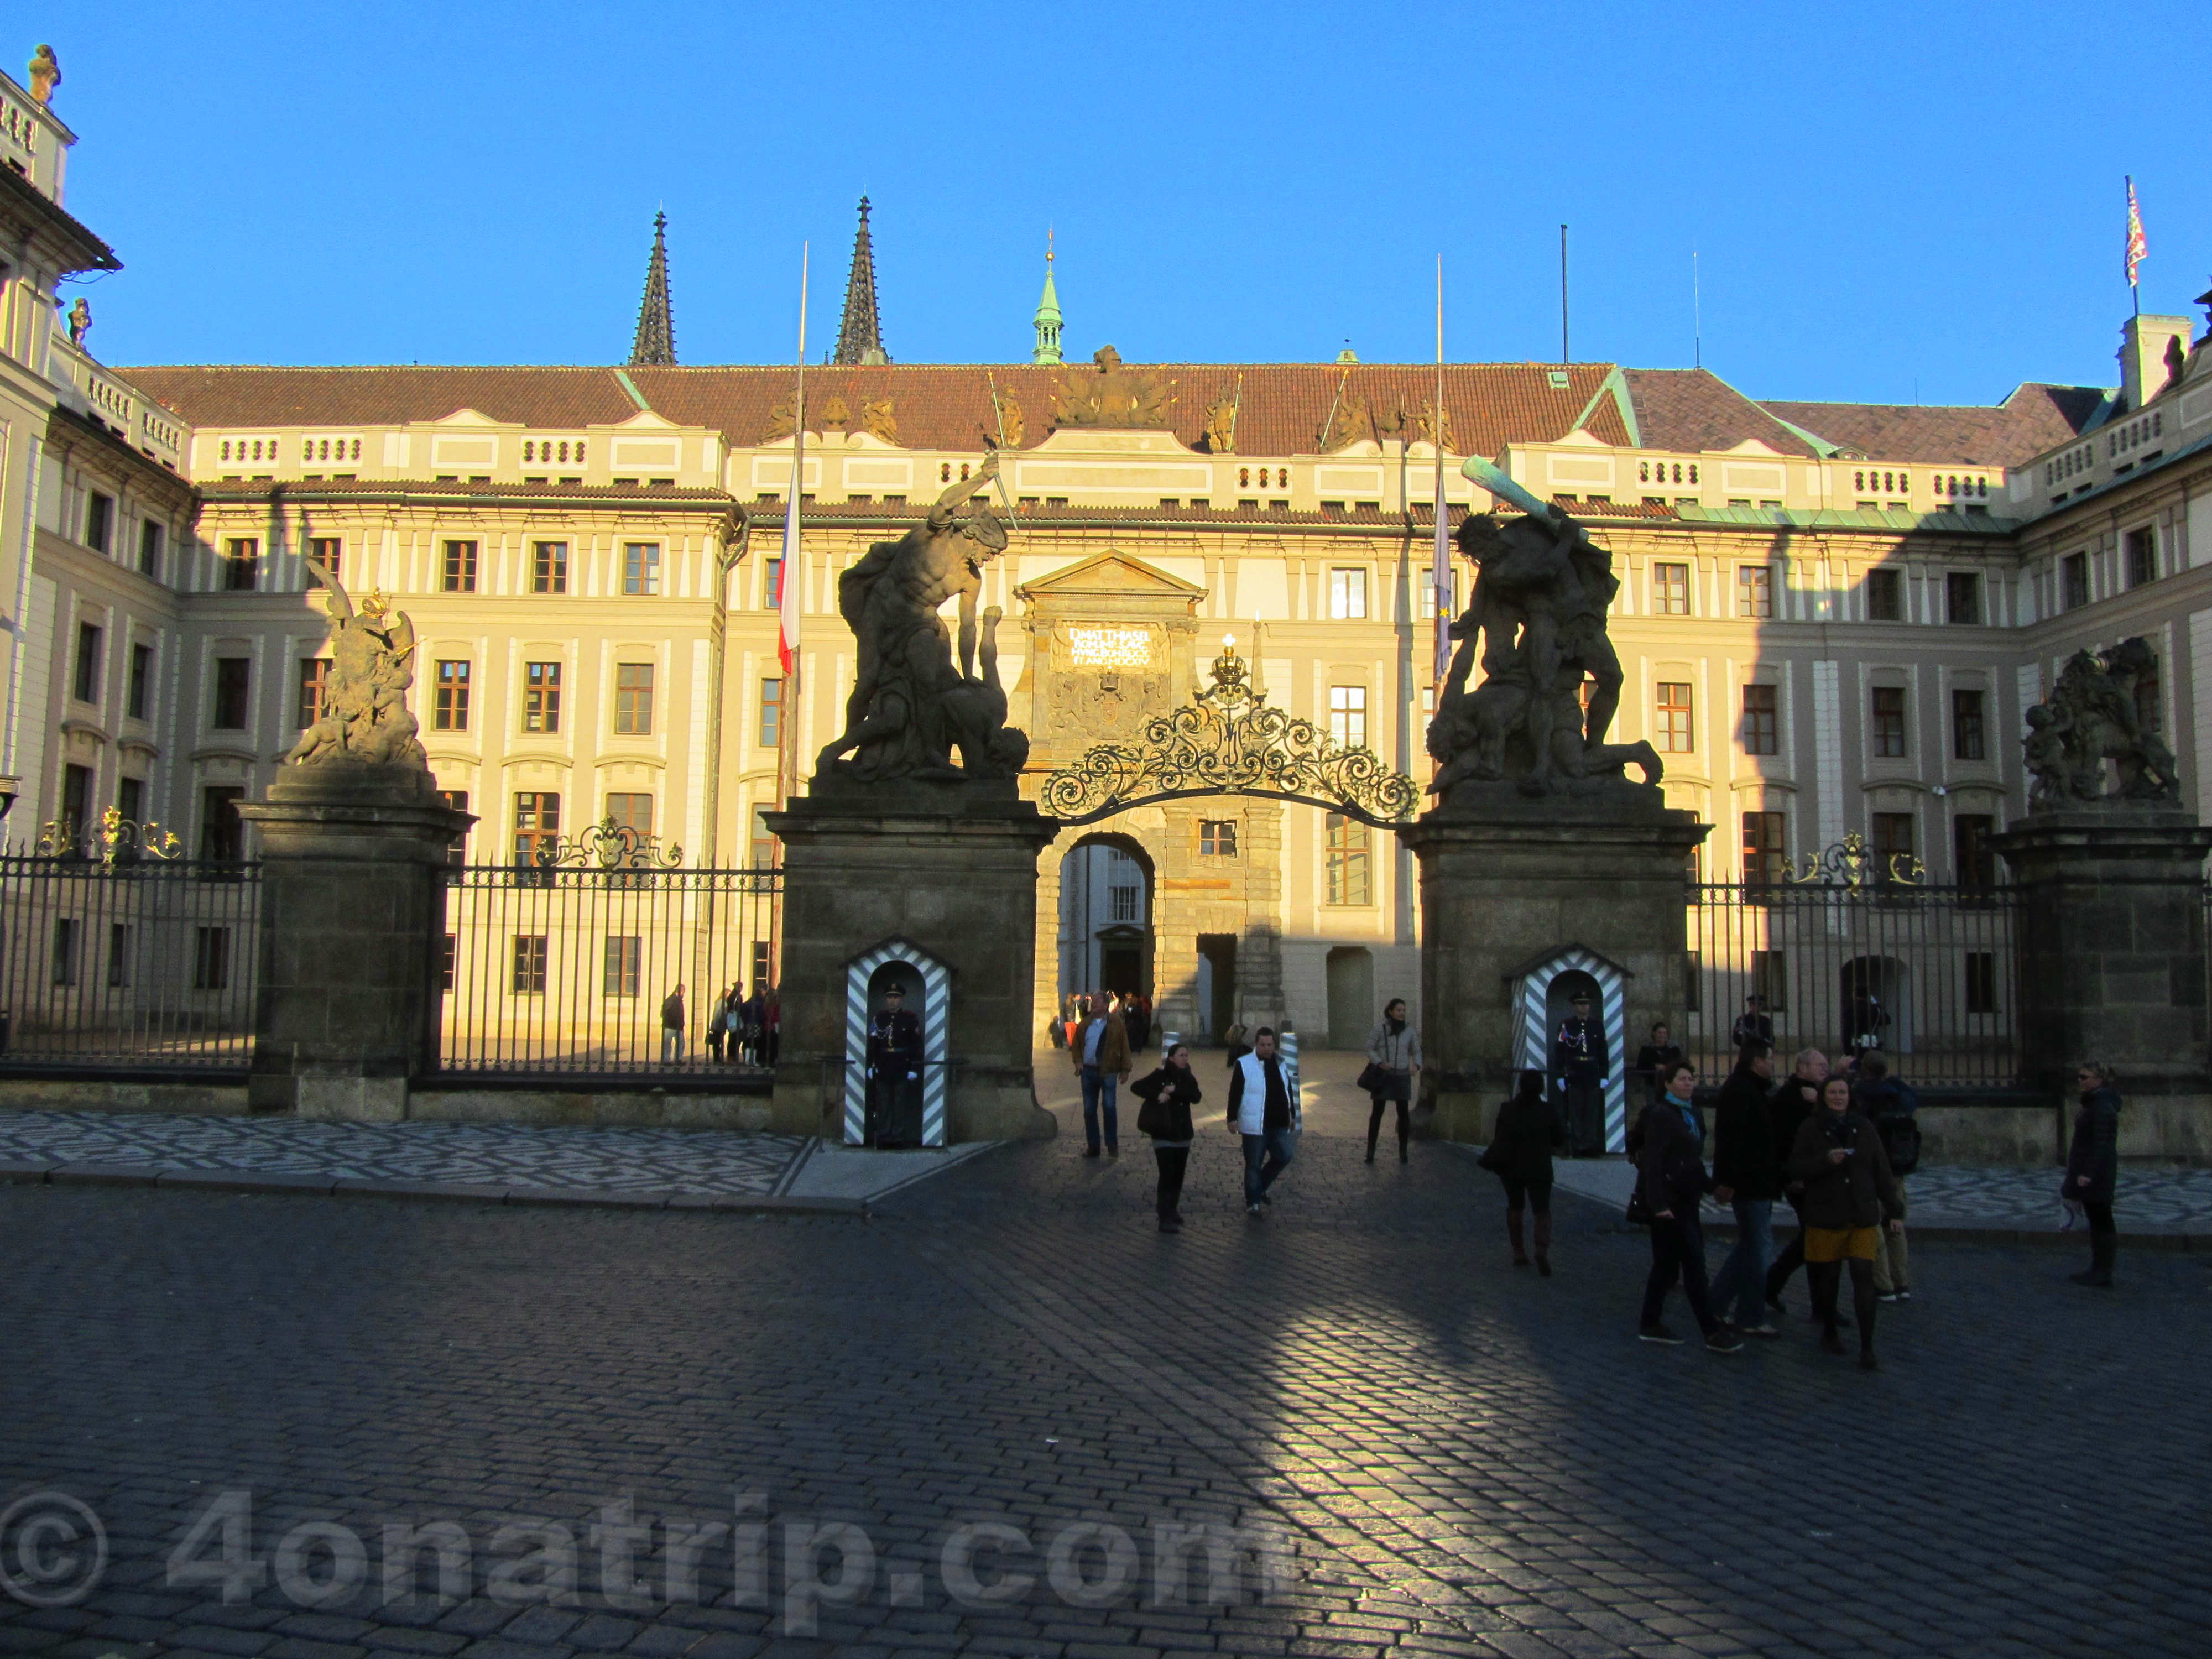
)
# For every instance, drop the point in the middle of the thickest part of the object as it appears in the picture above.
(1351, 421)
(1221, 424)
(45, 73)
(779, 420)
(1109, 394)
(877, 421)
(836, 412)
(1011, 427)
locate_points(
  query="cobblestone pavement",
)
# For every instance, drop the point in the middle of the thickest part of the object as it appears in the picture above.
(1467, 1459)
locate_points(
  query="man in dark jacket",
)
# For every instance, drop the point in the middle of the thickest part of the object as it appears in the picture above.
(1746, 1176)
(1788, 1108)
(1579, 1056)
(1850, 1196)
(894, 1078)
(1672, 1180)
(2092, 1163)
(1654, 1058)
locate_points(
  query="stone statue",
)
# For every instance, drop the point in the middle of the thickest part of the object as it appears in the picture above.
(365, 720)
(1115, 396)
(1221, 424)
(2091, 716)
(80, 321)
(910, 706)
(1012, 428)
(45, 73)
(877, 421)
(1349, 422)
(835, 412)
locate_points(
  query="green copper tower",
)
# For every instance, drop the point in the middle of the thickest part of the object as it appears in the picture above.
(1048, 314)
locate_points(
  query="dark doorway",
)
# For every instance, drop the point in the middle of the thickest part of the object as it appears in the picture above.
(1217, 984)
(1106, 917)
(1350, 970)
(1122, 959)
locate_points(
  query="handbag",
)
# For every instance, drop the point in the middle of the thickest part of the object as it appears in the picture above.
(1639, 1214)
(1372, 1079)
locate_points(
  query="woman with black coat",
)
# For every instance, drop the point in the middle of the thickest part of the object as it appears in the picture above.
(1520, 1153)
(1169, 1094)
(2092, 1163)
(1671, 1182)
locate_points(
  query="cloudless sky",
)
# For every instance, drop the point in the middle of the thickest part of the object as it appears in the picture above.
(1887, 201)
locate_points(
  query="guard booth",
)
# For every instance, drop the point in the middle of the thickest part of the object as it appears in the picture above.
(1541, 990)
(890, 1110)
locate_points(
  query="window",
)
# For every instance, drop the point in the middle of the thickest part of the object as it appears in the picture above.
(1962, 597)
(625, 965)
(529, 965)
(67, 930)
(633, 699)
(1349, 860)
(447, 957)
(456, 852)
(1974, 859)
(2073, 573)
(131, 799)
(1885, 595)
(1762, 723)
(211, 959)
(633, 813)
(772, 585)
(1967, 738)
(118, 955)
(1892, 839)
(2147, 698)
(641, 567)
(1754, 590)
(1889, 720)
(1770, 978)
(449, 699)
(771, 713)
(87, 663)
(241, 564)
(1766, 855)
(537, 826)
(1670, 590)
(76, 798)
(329, 552)
(222, 832)
(149, 550)
(460, 567)
(1217, 838)
(1121, 901)
(2142, 549)
(549, 567)
(541, 697)
(761, 854)
(231, 683)
(141, 681)
(1347, 717)
(99, 521)
(1671, 721)
(1981, 982)
(1347, 595)
(314, 690)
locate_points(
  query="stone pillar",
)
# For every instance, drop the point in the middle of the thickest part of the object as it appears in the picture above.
(1516, 879)
(352, 913)
(952, 868)
(2111, 945)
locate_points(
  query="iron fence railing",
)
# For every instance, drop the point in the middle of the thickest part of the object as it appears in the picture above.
(127, 962)
(554, 970)
(1928, 974)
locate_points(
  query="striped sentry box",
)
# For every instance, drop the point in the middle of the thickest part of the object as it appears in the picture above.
(1532, 1039)
(935, 1022)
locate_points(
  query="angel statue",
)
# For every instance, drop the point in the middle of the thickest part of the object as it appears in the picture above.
(365, 720)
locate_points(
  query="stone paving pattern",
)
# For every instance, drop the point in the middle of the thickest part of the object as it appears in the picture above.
(1473, 1461)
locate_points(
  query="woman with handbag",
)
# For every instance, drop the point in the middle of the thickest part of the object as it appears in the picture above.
(1393, 1055)
(1520, 1154)
(1169, 1094)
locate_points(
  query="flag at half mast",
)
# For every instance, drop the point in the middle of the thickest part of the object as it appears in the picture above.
(2137, 246)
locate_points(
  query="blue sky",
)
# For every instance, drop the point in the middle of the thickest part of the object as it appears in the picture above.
(1886, 201)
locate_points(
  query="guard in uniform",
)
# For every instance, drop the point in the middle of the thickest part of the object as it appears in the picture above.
(894, 1091)
(1579, 1058)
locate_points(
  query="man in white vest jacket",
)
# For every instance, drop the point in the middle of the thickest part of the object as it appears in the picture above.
(1263, 1106)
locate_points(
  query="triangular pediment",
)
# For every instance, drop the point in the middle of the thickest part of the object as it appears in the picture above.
(1753, 446)
(646, 420)
(1109, 573)
(467, 417)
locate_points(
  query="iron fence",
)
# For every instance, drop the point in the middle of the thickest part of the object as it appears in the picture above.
(1928, 974)
(119, 960)
(560, 971)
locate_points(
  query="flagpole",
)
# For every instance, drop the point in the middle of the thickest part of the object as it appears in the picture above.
(1440, 570)
(791, 593)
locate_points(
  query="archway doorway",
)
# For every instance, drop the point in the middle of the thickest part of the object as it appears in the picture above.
(1350, 995)
(1106, 931)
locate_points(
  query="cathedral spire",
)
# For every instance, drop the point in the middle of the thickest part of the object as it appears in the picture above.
(1048, 314)
(860, 338)
(656, 328)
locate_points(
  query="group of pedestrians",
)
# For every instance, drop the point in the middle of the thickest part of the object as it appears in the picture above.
(745, 1029)
(1263, 1113)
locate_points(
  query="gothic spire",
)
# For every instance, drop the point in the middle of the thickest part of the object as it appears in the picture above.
(1048, 314)
(656, 328)
(860, 338)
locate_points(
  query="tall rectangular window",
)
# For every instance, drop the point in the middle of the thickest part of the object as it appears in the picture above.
(1670, 590)
(1888, 720)
(2073, 573)
(140, 697)
(541, 697)
(771, 713)
(1981, 982)
(456, 850)
(99, 521)
(1349, 861)
(1217, 838)
(529, 980)
(149, 549)
(537, 825)
(231, 685)
(1892, 838)
(1122, 902)
(624, 964)
(67, 931)
(633, 699)
(1754, 590)
(1347, 716)
(2142, 550)
(328, 552)
(772, 585)
(1885, 595)
(131, 799)
(449, 698)
(1968, 740)
(1673, 721)
(641, 567)
(761, 852)
(1347, 595)
(1770, 978)
(314, 690)
(222, 832)
(549, 567)
(1973, 859)
(1962, 597)
(2149, 705)
(87, 663)
(241, 564)
(460, 575)
(211, 959)
(1762, 721)
(1765, 854)
(118, 955)
(76, 798)
(632, 811)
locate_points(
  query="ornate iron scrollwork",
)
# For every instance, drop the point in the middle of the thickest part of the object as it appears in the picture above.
(606, 845)
(1229, 742)
(117, 840)
(1849, 864)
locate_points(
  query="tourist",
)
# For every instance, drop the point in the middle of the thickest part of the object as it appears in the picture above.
(2092, 1167)
(1889, 1103)
(1747, 1177)
(1579, 1057)
(1787, 1109)
(718, 1025)
(671, 1027)
(772, 1023)
(1393, 1055)
(1521, 1143)
(1233, 1040)
(1137, 1015)
(1169, 1094)
(1671, 1182)
(1753, 1024)
(1653, 1058)
(1263, 1106)
(1101, 1054)
(1849, 1195)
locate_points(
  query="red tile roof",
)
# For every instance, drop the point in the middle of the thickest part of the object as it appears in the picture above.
(2034, 418)
(1690, 411)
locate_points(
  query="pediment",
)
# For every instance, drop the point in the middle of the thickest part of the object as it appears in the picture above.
(1582, 438)
(1109, 573)
(645, 418)
(468, 417)
(1753, 446)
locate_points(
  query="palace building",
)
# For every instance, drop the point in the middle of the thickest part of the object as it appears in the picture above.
(1830, 615)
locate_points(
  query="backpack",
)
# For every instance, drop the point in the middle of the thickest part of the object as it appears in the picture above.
(1900, 1143)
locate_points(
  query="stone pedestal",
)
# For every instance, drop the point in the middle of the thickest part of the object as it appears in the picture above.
(1503, 882)
(2111, 945)
(950, 868)
(352, 913)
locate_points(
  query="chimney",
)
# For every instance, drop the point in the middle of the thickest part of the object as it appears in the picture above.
(2142, 355)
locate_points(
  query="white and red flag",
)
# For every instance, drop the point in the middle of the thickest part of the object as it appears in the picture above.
(2136, 245)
